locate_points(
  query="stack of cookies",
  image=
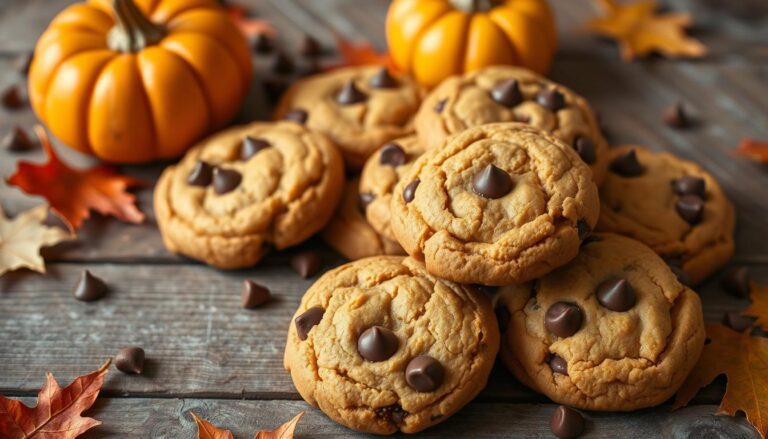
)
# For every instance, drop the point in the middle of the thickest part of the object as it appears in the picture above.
(488, 217)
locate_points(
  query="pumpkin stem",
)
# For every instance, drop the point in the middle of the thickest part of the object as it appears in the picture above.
(132, 31)
(473, 6)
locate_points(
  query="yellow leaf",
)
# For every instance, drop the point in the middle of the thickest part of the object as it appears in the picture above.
(285, 431)
(21, 239)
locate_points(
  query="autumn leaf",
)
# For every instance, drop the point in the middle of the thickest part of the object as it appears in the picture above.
(640, 30)
(744, 361)
(285, 431)
(22, 237)
(250, 27)
(360, 54)
(73, 193)
(759, 307)
(206, 430)
(57, 413)
(753, 149)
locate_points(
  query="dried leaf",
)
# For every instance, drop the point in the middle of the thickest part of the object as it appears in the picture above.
(206, 430)
(285, 431)
(73, 193)
(57, 413)
(360, 54)
(21, 239)
(640, 30)
(250, 27)
(753, 150)
(759, 306)
(744, 361)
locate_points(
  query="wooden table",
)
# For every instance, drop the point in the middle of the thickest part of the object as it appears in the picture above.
(208, 355)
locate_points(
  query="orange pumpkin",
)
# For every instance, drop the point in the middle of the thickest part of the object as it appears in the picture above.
(434, 39)
(134, 81)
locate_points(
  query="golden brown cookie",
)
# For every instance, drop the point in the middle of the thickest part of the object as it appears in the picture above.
(612, 330)
(379, 345)
(358, 108)
(498, 204)
(512, 94)
(381, 173)
(246, 189)
(671, 205)
(350, 234)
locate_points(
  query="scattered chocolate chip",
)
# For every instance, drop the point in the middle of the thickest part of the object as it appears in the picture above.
(690, 208)
(551, 99)
(89, 287)
(737, 321)
(225, 180)
(585, 148)
(11, 98)
(307, 320)
(17, 140)
(130, 360)
(583, 229)
(307, 263)
(566, 423)
(23, 62)
(424, 373)
(251, 146)
(393, 413)
(507, 93)
(563, 319)
(297, 115)
(616, 294)
(681, 275)
(503, 317)
(689, 186)
(262, 43)
(350, 94)
(310, 47)
(253, 294)
(201, 175)
(675, 116)
(410, 191)
(558, 365)
(492, 182)
(383, 79)
(737, 282)
(392, 154)
(627, 165)
(377, 343)
(440, 105)
(283, 64)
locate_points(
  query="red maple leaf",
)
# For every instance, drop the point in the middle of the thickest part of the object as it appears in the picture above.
(360, 54)
(250, 27)
(753, 149)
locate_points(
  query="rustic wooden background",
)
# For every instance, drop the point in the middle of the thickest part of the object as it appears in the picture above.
(208, 355)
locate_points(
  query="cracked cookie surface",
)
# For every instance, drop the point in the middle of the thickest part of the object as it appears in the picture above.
(435, 345)
(246, 189)
(488, 96)
(498, 204)
(697, 239)
(628, 337)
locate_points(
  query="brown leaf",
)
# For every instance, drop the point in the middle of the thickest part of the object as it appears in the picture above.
(21, 239)
(759, 306)
(285, 431)
(57, 413)
(73, 193)
(744, 361)
(360, 54)
(640, 30)
(206, 430)
(250, 27)
(753, 150)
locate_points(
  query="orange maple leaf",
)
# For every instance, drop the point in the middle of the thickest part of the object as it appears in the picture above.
(73, 193)
(57, 414)
(250, 27)
(285, 431)
(641, 31)
(759, 307)
(753, 149)
(744, 360)
(206, 430)
(360, 54)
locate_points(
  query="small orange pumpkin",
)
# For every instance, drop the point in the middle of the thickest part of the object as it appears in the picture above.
(434, 39)
(109, 81)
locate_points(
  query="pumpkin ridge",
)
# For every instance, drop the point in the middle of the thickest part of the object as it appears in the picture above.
(540, 21)
(148, 102)
(201, 85)
(424, 29)
(180, 11)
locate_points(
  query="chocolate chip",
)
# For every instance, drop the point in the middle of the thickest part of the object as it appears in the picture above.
(507, 93)
(558, 365)
(583, 229)
(737, 321)
(377, 343)
(492, 182)
(393, 413)
(563, 319)
(350, 94)
(201, 175)
(440, 105)
(310, 47)
(17, 141)
(251, 146)
(89, 287)
(585, 148)
(616, 294)
(23, 62)
(253, 294)
(11, 98)
(283, 64)
(503, 317)
(382, 79)
(681, 275)
(307, 263)
(262, 43)
(551, 99)
(363, 200)
(225, 180)
(424, 373)
(737, 282)
(410, 191)
(307, 320)
(392, 154)
(690, 208)
(130, 360)
(566, 423)
(689, 186)
(675, 116)
(297, 115)
(627, 165)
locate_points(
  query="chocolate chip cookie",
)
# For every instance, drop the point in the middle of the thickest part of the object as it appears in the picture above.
(612, 330)
(350, 234)
(358, 108)
(670, 204)
(512, 94)
(380, 345)
(498, 204)
(246, 189)
(381, 173)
